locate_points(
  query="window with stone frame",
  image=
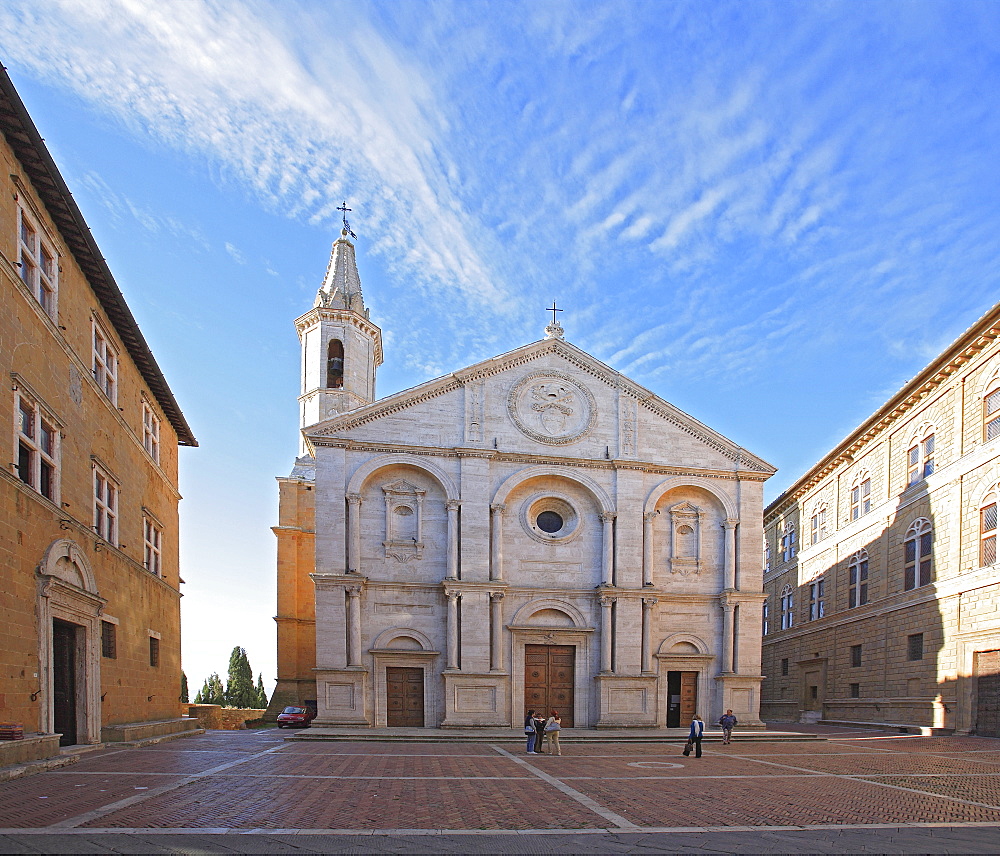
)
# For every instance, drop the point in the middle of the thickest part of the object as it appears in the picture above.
(920, 456)
(817, 523)
(787, 607)
(767, 556)
(109, 640)
(784, 666)
(861, 496)
(915, 647)
(855, 656)
(988, 529)
(855, 690)
(150, 431)
(788, 544)
(38, 446)
(817, 599)
(152, 547)
(154, 651)
(765, 618)
(38, 262)
(105, 363)
(991, 410)
(857, 579)
(106, 497)
(917, 546)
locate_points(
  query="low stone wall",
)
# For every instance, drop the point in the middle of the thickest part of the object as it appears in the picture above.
(217, 718)
(138, 732)
(33, 747)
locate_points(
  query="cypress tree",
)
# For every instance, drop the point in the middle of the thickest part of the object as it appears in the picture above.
(240, 691)
(261, 695)
(184, 688)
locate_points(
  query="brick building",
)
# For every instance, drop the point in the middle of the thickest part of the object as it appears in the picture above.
(89, 598)
(880, 566)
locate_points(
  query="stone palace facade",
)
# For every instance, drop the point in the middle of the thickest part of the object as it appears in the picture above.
(534, 531)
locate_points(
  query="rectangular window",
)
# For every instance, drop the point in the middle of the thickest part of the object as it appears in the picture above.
(105, 506)
(154, 652)
(861, 499)
(915, 647)
(105, 364)
(151, 432)
(920, 460)
(855, 690)
(109, 641)
(784, 666)
(857, 590)
(765, 619)
(37, 447)
(855, 656)
(37, 260)
(152, 546)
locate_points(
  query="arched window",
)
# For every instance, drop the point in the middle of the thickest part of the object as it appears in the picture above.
(861, 495)
(920, 455)
(335, 364)
(988, 529)
(817, 599)
(991, 410)
(917, 554)
(787, 607)
(767, 556)
(766, 619)
(817, 523)
(788, 546)
(857, 583)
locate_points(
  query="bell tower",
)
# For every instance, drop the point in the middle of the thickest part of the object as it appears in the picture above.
(341, 347)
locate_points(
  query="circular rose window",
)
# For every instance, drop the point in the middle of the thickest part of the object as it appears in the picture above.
(549, 518)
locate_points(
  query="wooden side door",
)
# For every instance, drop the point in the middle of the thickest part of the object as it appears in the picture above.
(988, 694)
(404, 690)
(64, 681)
(689, 696)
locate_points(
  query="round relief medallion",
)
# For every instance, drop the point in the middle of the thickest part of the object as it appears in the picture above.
(552, 407)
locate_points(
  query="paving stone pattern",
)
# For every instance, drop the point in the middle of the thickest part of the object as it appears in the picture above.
(402, 797)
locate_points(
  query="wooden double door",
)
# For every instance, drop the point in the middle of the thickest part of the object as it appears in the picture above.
(65, 667)
(549, 672)
(404, 690)
(988, 694)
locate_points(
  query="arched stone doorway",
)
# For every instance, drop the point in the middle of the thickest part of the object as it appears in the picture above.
(69, 639)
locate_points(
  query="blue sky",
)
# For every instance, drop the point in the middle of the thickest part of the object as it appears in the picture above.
(772, 214)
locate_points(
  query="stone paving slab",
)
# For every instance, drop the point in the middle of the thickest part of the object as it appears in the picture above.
(944, 840)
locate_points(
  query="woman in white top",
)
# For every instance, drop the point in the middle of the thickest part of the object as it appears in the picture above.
(553, 725)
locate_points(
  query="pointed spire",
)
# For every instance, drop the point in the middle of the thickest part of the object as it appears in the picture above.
(341, 287)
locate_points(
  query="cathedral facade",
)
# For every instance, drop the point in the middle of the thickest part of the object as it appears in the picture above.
(533, 531)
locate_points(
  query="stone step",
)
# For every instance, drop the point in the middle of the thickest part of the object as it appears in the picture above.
(567, 735)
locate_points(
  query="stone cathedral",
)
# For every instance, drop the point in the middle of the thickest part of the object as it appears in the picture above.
(533, 531)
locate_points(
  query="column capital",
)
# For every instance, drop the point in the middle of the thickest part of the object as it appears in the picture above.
(452, 594)
(731, 523)
(607, 601)
(649, 516)
(496, 595)
(353, 590)
(498, 508)
(354, 498)
(650, 601)
(607, 516)
(453, 504)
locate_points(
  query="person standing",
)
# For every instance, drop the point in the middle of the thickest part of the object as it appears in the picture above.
(553, 725)
(694, 737)
(530, 733)
(728, 722)
(539, 721)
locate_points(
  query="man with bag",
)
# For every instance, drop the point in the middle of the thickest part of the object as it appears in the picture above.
(694, 737)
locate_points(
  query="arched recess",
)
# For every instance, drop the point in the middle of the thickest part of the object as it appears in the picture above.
(522, 617)
(369, 468)
(607, 506)
(383, 642)
(667, 645)
(67, 593)
(658, 492)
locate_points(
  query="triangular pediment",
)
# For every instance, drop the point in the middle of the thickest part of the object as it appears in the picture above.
(560, 399)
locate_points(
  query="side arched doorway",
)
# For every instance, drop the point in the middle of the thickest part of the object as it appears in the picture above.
(69, 656)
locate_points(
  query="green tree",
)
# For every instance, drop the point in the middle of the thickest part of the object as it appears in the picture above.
(184, 688)
(212, 691)
(240, 691)
(261, 695)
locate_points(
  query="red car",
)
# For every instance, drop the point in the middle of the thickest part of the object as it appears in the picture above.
(296, 716)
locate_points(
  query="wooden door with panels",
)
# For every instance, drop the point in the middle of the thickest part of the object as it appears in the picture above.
(549, 672)
(404, 697)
